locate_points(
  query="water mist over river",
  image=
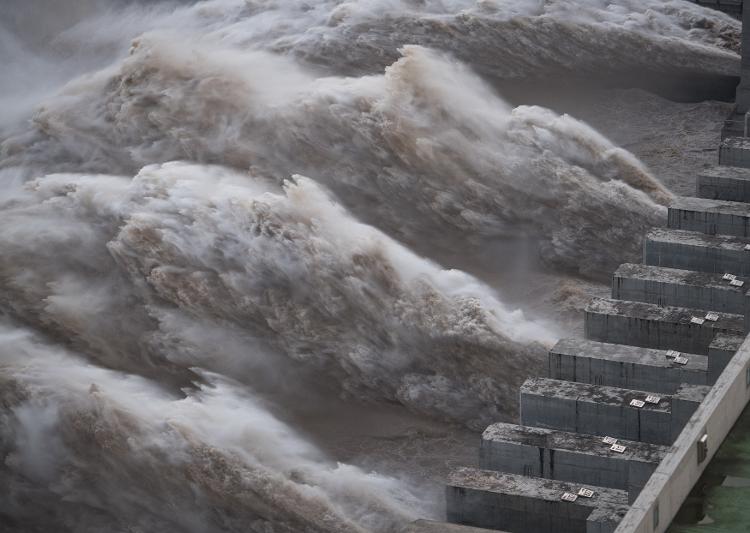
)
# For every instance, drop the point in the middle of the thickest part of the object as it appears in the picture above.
(228, 227)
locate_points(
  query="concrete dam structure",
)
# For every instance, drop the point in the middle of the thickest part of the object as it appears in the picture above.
(615, 435)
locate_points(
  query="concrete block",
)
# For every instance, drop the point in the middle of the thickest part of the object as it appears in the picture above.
(709, 216)
(690, 250)
(566, 456)
(724, 183)
(520, 504)
(720, 352)
(735, 152)
(653, 326)
(595, 410)
(431, 526)
(620, 365)
(680, 288)
(684, 403)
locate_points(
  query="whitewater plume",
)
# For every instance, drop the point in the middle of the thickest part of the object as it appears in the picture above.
(425, 151)
(290, 269)
(87, 449)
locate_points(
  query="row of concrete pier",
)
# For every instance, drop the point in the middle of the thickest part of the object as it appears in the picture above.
(594, 429)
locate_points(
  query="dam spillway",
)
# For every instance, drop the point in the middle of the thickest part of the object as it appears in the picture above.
(615, 435)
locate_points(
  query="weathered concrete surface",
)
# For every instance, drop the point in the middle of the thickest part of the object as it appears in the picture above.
(653, 326)
(680, 288)
(684, 403)
(724, 183)
(596, 410)
(735, 152)
(620, 365)
(566, 456)
(720, 352)
(520, 504)
(730, 7)
(430, 526)
(690, 250)
(664, 493)
(709, 216)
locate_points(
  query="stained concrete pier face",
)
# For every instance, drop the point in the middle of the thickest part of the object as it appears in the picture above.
(724, 183)
(680, 288)
(735, 152)
(595, 410)
(653, 326)
(709, 216)
(520, 504)
(630, 367)
(720, 351)
(691, 250)
(567, 456)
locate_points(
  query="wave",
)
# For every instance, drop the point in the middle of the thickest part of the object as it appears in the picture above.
(426, 151)
(181, 245)
(87, 449)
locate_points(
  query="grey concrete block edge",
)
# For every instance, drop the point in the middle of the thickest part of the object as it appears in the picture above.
(670, 484)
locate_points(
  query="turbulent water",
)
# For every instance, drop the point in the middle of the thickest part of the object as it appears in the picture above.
(225, 221)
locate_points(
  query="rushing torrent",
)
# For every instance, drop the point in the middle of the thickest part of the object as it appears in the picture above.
(221, 220)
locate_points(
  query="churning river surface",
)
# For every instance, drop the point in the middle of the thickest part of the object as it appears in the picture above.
(268, 265)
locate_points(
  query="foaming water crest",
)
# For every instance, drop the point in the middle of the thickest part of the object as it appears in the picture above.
(402, 150)
(88, 449)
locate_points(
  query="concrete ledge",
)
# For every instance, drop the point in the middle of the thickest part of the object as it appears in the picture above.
(735, 152)
(599, 410)
(566, 456)
(691, 250)
(664, 493)
(724, 183)
(709, 216)
(653, 326)
(680, 288)
(488, 499)
(620, 365)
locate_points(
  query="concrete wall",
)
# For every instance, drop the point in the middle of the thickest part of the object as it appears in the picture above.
(696, 251)
(709, 216)
(652, 326)
(724, 183)
(602, 411)
(720, 352)
(483, 498)
(735, 151)
(586, 459)
(629, 367)
(664, 493)
(680, 288)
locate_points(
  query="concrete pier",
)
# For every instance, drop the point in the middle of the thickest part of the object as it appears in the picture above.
(735, 152)
(596, 410)
(684, 403)
(629, 367)
(520, 504)
(566, 456)
(653, 326)
(691, 250)
(724, 183)
(680, 288)
(709, 216)
(720, 351)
